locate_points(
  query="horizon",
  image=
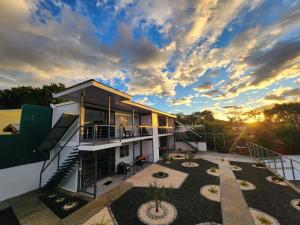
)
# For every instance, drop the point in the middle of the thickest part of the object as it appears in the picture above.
(187, 56)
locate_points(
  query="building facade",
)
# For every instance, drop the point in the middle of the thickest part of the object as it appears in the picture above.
(108, 135)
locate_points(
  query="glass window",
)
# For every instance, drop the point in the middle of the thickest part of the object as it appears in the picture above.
(124, 151)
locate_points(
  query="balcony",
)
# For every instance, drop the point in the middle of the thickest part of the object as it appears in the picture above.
(165, 130)
(105, 134)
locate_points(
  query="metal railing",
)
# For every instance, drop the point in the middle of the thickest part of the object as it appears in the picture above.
(165, 130)
(135, 167)
(103, 134)
(284, 166)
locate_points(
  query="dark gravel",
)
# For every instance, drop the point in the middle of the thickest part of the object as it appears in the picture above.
(191, 207)
(268, 197)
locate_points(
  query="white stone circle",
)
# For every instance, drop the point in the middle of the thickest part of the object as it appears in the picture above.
(249, 186)
(296, 204)
(258, 215)
(60, 199)
(269, 178)
(216, 173)
(235, 168)
(69, 205)
(205, 191)
(166, 215)
(190, 164)
(259, 167)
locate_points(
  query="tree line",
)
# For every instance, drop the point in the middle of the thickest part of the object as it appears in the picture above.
(16, 96)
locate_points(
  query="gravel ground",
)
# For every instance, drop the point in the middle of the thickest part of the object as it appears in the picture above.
(8, 217)
(192, 208)
(268, 197)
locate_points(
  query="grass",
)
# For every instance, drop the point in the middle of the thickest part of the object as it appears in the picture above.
(213, 170)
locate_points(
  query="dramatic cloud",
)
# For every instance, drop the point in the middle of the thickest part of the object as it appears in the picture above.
(181, 101)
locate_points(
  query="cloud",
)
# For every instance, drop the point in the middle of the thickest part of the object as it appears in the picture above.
(181, 101)
(203, 87)
(284, 94)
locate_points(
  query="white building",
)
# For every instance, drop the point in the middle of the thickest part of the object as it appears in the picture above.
(97, 129)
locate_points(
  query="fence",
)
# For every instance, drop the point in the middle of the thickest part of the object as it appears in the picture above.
(283, 165)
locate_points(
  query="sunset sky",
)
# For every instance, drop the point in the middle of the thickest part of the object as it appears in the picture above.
(175, 55)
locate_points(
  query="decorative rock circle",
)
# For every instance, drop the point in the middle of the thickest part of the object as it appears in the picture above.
(296, 204)
(213, 172)
(168, 162)
(262, 218)
(179, 156)
(160, 175)
(259, 166)
(211, 192)
(52, 195)
(60, 199)
(246, 186)
(271, 179)
(190, 164)
(209, 223)
(235, 168)
(166, 214)
(69, 205)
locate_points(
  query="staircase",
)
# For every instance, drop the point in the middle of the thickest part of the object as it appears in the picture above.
(182, 136)
(51, 142)
(64, 170)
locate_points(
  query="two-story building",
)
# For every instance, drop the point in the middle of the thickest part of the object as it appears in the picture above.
(100, 132)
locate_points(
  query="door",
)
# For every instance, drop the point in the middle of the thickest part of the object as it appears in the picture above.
(106, 163)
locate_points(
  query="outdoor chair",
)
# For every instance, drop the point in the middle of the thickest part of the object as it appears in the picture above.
(127, 133)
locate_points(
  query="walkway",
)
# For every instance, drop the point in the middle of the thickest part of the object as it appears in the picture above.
(232, 200)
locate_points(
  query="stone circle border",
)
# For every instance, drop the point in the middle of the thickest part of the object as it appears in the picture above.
(216, 174)
(282, 183)
(256, 212)
(204, 191)
(164, 218)
(190, 164)
(156, 175)
(246, 188)
(258, 167)
(295, 203)
(208, 223)
(235, 168)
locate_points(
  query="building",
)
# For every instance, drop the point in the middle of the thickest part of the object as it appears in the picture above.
(96, 132)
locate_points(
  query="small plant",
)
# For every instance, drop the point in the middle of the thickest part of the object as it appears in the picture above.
(244, 184)
(276, 178)
(264, 220)
(189, 156)
(213, 190)
(179, 149)
(213, 170)
(158, 193)
(298, 203)
(166, 157)
(222, 159)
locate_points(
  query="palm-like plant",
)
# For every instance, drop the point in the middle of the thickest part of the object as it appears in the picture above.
(158, 193)
(189, 157)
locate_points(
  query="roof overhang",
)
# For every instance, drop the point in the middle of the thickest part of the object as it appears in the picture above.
(88, 87)
(138, 105)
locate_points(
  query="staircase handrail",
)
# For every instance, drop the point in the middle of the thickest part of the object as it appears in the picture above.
(188, 129)
(57, 153)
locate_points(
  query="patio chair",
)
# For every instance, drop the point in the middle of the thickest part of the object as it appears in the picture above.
(127, 133)
(144, 132)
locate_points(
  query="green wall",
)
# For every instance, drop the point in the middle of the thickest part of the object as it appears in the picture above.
(21, 148)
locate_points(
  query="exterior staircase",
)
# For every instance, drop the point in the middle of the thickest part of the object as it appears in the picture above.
(52, 141)
(64, 170)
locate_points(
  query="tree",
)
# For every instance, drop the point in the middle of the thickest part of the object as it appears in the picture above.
(16, 96)
(158, 193)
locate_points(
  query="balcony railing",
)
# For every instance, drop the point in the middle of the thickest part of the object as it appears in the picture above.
(165, 130)
(103, 134)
